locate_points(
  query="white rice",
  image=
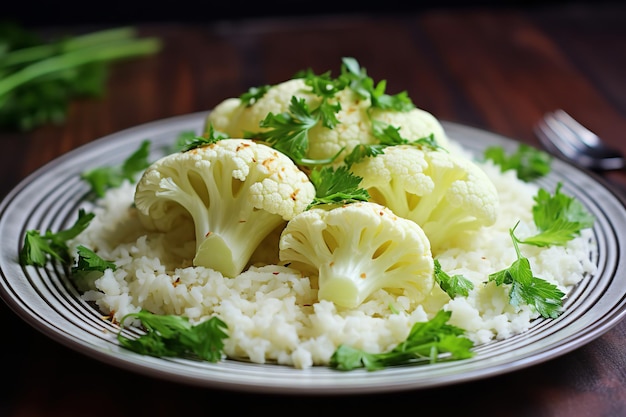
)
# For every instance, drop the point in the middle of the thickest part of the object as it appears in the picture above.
(272, 312)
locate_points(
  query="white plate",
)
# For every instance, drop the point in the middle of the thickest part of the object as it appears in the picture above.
(45, 298)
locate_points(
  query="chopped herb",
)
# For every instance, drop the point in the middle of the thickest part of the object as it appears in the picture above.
(452, 285)
(529, 163)
(253, 95)
(559, 218)
(88, 261)
(428, 342)
(39, 248)
(525, 288)
(362, 84)
(362, 151)
(336, 186)
(289, 131)
(192, 141)
(175, 336)
(387, 135)
(103, 178)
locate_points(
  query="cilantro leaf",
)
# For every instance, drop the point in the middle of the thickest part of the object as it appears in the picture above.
(428, 342)
(525, 288)
(452, 285)
(190, 142)
(103, 178)
(182, 139)
(88, 260)
(175, 336)
(39, 248)
(362, 151)
(253, 95)
(336, 186)
(387, 135)
(322, 85)
(358, 80)
(559, 218)
(530, 163)
(288, 131)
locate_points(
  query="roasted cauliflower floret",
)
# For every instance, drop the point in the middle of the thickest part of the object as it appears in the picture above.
(447, 194)
(354, 115)
(234, 191)
(357, 249)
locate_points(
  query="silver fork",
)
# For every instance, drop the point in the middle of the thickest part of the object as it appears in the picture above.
(562, 135)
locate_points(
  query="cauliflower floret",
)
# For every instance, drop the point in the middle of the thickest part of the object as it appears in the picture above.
(447, 194)
(357, 249)
(234, 191)
(234, 118)
(355, 116)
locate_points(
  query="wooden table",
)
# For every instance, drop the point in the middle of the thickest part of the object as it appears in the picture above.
(498, 70)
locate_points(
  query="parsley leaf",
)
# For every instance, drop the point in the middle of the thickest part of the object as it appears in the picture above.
(322, 85)
(336, 186)
(192, 141)
(559, 218)
(104, 178)
(452, 285)
(387, 135)
(175, 336)
(362, 151)
(289, 131)
(182, 139)
(358, 80)
(38, 248)
(530, 163)
(253, 95)
(525, 288)
(88, 260)
(428, 342)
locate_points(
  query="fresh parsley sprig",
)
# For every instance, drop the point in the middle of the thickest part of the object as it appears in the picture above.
(288, 132)
(176, 336)
(452, 285)
(358, 80)
(189, 140)
(103, 178)
(387, 135)
(336, 186)
(525, 288)
(529, 163)
(89, 261)
(39, 248)
(322, 85)
(254, 94)
(428, 342)
(326, 87)
(558, 217)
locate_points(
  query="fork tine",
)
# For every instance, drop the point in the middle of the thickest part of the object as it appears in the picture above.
(556, 138)
(584, 134)
(560, 142)
(562, 135)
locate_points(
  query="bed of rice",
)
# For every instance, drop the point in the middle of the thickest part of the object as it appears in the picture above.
(272, 312)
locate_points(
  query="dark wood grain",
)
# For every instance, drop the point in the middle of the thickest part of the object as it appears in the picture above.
(498, 70)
